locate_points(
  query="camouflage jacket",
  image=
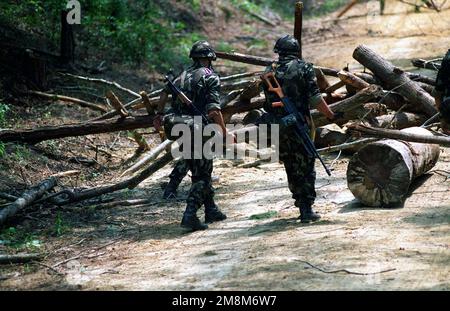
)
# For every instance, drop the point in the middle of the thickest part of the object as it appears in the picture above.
(298, 81)
(443, 77)
(202, 86)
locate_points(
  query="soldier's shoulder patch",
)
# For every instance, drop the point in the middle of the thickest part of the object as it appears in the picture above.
(206, 71)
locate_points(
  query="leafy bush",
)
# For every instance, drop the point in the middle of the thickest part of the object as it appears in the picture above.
(137, 32)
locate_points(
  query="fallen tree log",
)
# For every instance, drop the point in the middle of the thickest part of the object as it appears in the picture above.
(381, 173)
(330, 135)
(421, 63)
(394, 78)
(150, 156)
(401, 135)
(364, 96)
(67, 99)
(239, 106)
(37, 135)
(19, 258)
(263, 61)
(350, 79)
(399, 120)
(26, 199)
(421, 78)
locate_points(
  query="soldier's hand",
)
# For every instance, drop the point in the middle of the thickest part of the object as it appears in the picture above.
(157, 122)
(337, 116)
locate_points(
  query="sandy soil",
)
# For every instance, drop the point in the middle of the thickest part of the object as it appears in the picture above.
(262, 245)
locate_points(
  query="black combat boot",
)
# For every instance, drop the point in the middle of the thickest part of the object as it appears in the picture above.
(212, 212)
(170, 192)
(190, 219)
(307, 214)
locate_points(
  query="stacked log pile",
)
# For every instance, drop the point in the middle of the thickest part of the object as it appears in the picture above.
(385, 97)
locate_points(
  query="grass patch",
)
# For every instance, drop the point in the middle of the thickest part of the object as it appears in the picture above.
(19, 239)
(267, 215)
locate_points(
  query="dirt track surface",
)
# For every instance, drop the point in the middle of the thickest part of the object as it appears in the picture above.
(351, 248)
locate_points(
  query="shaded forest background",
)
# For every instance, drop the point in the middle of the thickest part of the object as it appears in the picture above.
(156, 34)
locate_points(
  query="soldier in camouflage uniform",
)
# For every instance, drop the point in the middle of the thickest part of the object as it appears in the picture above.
(297, 79)
(442, 93)
(202, 86)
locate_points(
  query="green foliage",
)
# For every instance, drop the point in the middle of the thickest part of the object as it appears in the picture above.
(60, 226)
(3, 111)
(2, 149)
(19, 239)
(22, 153)
(137, 32)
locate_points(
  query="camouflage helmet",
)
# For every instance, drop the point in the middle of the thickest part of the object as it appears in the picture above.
(202, 49)
(287, 45)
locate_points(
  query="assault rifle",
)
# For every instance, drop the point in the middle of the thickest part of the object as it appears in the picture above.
(176, 92)
(217, 117)
(301, 126)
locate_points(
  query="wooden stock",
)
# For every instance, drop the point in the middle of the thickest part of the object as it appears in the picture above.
(271, 81)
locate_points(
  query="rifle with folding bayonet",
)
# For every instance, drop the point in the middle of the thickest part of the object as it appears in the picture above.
(301, 126)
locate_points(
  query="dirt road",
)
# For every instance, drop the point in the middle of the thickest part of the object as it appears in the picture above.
(262, 245)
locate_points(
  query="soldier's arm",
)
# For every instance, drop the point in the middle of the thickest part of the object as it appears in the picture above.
(213, 102)
(314, 96)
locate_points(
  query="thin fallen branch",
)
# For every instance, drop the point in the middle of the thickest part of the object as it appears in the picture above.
(68, 99)
(343, 270)
(115, 84)
(400, 135)
(427, 64)
(346, 145)
(82, 254)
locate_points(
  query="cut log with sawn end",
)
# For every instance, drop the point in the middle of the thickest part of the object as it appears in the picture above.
(380, 173)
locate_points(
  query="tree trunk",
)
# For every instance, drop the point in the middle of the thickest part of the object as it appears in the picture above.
(67, 40)
(34, 136)
(393, 77)
(380, 173)
(298, 25)
(26, 199)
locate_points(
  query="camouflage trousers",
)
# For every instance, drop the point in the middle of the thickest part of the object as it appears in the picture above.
(299, 167)
(179, 172)
(201, 191)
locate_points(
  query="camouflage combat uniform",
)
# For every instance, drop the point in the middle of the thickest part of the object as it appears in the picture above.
(442, 89)
(177, 175)
(202, 86)
(297, 79)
